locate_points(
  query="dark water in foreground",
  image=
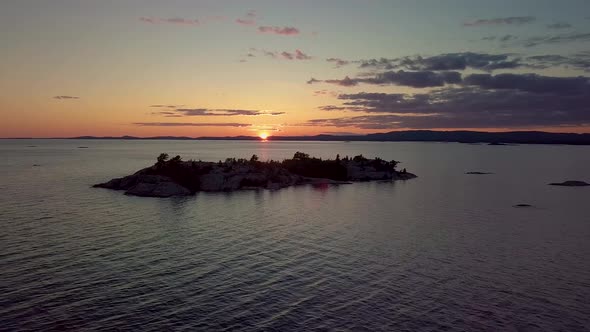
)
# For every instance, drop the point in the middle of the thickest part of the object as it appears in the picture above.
(446, 251)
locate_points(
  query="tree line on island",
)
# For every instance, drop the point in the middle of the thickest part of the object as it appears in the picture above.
(301, 164)
(173, 176)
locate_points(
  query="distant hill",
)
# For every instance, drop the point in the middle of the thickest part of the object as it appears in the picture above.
(513, 137)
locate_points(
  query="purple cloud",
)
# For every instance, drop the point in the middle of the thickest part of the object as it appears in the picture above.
(173, 20)
(184, 112)
(191, 124)
(286, 31)
(338, 62)
(516, 20)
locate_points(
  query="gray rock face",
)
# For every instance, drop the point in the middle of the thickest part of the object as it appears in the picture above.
(212, 182)
(571, 184)
(146, 185)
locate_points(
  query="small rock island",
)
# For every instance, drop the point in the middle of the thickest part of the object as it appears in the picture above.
(175, 177)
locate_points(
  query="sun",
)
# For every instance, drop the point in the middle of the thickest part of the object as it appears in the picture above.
(263, 136)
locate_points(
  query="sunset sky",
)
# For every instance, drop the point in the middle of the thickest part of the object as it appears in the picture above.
(226, 68)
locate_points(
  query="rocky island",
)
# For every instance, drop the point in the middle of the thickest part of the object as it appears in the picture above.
(175, 177)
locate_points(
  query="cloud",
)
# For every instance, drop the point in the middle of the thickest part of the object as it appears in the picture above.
(506, 38)
(265, 127)
(297, 55)
(245, 21)
(465, 107)
(313, 81)
(447, 61)
(65, 97)
(249, 19)
(484, 101)
(173, 20)
(338, 62)
(556, 39)
(516, 20)
(286, 31)
(326, 93)
(530, 83)
(347, 81)
(559, 25)
(415, 79)
(191, 124)
(184, 112)
(576, 61)
(166, 106)
(286, 55)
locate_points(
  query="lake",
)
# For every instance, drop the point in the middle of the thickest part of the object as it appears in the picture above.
(446, 251)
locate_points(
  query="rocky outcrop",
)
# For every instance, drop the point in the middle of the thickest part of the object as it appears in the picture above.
(146, 185)
(571, 184)
(181, 178)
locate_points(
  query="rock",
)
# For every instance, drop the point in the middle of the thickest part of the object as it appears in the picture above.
(479, 173)
(571, 184)
(178, 178)
(212, 182)
(82, 147)
(233, 183)
(159, 189)
(405, 176)
(522, 205)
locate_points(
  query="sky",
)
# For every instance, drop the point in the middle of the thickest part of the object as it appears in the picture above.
(235, 67)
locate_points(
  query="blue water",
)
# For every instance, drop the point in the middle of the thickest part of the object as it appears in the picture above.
(446, 251)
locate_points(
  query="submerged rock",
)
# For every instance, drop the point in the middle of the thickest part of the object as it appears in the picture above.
(571, 184)
(522, 205)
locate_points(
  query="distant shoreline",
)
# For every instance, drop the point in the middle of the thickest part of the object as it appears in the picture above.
(495, 138)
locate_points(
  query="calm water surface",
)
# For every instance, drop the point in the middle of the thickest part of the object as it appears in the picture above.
(446, 251)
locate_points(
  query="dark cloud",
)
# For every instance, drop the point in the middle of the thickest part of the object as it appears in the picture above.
(382, 63)
(297, 55)
(184, 112)
(166, 106)
(516, 20)
(507, 38)
(326, 93)
(191, 124)
(448, 61)
(415, 79)
(338, 62)
(530, 83)
(556, 39)
(313, 80)
(173, 20)
(575, 61)
(560, 25)
(286, 31)
(66, 97)
(466, 107)
(287, 55)
(347, 81)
